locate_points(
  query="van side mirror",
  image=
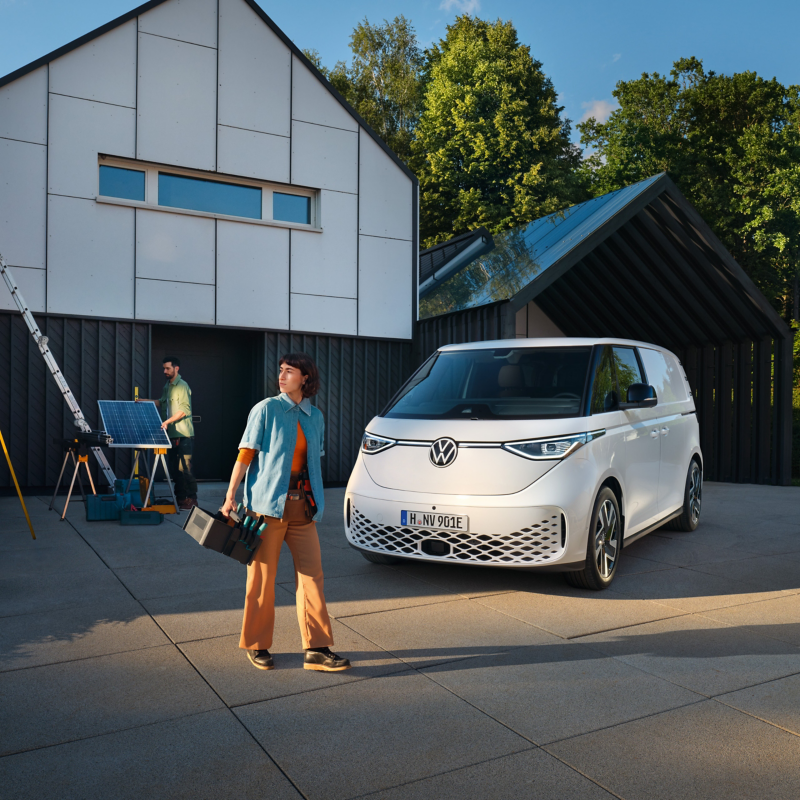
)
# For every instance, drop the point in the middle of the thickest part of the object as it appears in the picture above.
(640, 395)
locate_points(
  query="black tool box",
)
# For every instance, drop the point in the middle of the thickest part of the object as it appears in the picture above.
(231, 537)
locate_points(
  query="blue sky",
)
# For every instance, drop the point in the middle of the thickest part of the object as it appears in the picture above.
(585, 46)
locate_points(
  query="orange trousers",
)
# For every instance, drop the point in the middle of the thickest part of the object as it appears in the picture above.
(300, 534)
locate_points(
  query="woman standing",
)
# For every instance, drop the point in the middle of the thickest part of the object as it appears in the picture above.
(283, 441)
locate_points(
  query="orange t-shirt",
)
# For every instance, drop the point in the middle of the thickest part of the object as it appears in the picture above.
(246, 454)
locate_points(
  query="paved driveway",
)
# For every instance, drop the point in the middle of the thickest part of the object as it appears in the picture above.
(120, 674)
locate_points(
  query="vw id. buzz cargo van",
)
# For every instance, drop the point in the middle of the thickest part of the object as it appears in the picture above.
(529, 453)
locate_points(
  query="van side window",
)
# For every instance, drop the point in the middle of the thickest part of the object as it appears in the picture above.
(604, 384)
(665, 375)
(628, 370)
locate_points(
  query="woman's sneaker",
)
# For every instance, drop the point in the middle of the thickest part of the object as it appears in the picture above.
(260, 659)
(323, 659)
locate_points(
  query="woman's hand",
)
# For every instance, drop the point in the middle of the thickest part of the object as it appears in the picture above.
(228, 506)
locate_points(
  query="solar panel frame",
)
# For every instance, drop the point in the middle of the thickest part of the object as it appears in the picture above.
(133, 424)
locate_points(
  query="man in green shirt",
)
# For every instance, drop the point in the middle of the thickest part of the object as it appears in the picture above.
(175, 407)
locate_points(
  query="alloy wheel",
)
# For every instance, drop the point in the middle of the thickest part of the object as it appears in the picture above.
(606, 539)
(695, 493)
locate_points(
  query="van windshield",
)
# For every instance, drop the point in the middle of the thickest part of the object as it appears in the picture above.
(504, 383)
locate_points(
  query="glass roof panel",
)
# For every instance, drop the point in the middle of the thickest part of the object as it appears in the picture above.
(520, 255)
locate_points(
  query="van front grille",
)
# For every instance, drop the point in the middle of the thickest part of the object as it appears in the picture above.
(537, 544)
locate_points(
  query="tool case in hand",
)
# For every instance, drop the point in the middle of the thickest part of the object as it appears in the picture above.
(235, 537)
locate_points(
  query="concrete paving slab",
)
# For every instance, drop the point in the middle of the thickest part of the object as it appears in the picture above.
(123, 546)
(26, 593)
(57, 703)
(207, 756)
(433, 634)
(380, 589)
(569, 612)
(475, 581)
(237, 681)
(691, 590)
(50, 534)
(680, 553)
(71, 556)
(202, 615)
(632, 565)
(777, 702)
(50, 637)
(763, 573)
(550, 691)
(705, 656)
(530, 774)
(372, 735)
(778, 618)
(703, 752)
(174, 579)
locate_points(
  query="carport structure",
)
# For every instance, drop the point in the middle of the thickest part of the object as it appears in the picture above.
(638, 263)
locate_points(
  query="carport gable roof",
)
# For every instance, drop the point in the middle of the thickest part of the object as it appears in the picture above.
(639, 262)
(88, 37)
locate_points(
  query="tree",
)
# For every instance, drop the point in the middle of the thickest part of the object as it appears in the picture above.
(731, 144)
(383, 82)
(490, 147)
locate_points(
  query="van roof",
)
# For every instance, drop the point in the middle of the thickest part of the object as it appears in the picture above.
(560, 341)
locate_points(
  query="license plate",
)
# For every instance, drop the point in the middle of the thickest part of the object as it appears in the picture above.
(432, 521)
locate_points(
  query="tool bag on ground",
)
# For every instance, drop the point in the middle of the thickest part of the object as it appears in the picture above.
(237, 536)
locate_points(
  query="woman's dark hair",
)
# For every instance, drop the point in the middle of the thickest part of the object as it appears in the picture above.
(307, 367)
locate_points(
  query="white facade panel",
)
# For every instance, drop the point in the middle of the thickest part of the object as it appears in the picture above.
(32, 284)
(385, 194)
(324, 314)
(89, 258)
(254, 72)
(79, 130)
(23, 108)
(165, 301)
(324, 158)
(312, 102)
(327, 263)
(23, 198)
(192, 21)
(103, 69)
(177, 103)
(253, 155)
(252, 276)
(174, 247)
(384, 288)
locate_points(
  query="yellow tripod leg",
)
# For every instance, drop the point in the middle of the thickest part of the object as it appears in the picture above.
(14, 476)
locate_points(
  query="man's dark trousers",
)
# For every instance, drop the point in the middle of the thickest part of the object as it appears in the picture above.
(179, 463)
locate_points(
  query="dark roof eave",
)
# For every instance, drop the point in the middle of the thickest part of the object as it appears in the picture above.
(88, 37)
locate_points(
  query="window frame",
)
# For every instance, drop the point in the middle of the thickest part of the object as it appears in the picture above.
(152, 170)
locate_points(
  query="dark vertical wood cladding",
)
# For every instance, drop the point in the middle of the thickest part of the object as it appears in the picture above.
(357, 378)
(99, 359)
(474, 325)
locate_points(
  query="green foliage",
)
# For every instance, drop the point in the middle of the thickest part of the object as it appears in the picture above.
(490, 147)
(730, 143)
(384, 81)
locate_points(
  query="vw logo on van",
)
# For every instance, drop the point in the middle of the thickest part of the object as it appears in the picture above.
(443, 452)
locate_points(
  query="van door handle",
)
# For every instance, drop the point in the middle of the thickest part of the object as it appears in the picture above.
(665, 431)
(654, 434)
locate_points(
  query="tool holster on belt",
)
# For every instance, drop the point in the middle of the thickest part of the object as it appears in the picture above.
(300, 489)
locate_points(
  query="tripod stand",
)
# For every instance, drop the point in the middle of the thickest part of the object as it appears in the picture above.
(159, 456)
(79, 452)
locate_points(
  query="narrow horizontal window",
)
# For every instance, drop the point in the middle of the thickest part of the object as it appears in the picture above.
(127, 184)
(291, 208)
(214, 197)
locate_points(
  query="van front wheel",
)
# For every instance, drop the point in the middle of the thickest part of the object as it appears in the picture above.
(604, 545)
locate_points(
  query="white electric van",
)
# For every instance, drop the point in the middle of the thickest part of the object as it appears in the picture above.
(529, 453)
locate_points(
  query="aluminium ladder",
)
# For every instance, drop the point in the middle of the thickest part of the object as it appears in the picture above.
(55, 371)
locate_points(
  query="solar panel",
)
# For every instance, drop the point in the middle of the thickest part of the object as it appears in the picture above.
(133, 424)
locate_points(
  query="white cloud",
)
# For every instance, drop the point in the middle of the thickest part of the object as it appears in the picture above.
(599, 109)
(461, 6)
(616, 57)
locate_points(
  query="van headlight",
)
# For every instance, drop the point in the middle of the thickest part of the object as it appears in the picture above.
(371, 444)
(551, 449)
